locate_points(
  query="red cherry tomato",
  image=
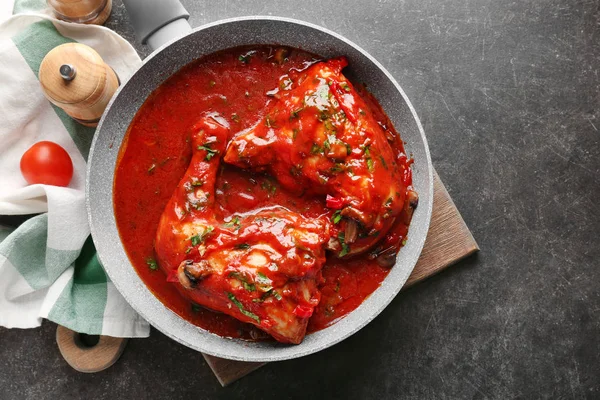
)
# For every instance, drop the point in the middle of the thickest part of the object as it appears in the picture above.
(47, 163)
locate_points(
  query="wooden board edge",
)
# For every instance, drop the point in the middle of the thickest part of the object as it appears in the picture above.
(229, 371)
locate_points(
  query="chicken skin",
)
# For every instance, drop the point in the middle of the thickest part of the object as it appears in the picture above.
(318, 137)
(260, 267)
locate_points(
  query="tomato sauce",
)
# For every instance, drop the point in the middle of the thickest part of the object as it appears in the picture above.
(156, 153)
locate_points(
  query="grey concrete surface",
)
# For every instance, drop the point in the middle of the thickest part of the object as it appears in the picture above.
(508, 93)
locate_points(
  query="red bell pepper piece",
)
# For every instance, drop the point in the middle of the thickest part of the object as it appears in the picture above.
(333, 203)
(303, 311)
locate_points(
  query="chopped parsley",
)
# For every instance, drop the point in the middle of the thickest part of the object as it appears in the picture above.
(241, 307)
(269, 187)
(294, 113)
(383, 161)
(367, 151)
(264, 283)
(248, 286)
(348, 149)
(336, 217)
(345, 247)
(197, 239)
(315, 149)
(337, 168)
(152, 264)
(266, 295)
(235, 117)
(370, 164)
(196, 308)
(210, 153)
(242, 246)
(244, 58)
(234, 223)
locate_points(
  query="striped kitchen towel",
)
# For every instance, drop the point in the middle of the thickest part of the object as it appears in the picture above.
(48, 266)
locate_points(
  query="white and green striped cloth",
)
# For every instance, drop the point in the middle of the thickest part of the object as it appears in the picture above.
(48, 266)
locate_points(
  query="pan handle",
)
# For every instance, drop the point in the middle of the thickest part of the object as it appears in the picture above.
(157, 21)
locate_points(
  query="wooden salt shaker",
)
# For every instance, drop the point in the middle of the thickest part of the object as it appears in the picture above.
(75, 78)
(81, 11)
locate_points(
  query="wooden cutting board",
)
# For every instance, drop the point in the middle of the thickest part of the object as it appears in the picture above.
(448, 241)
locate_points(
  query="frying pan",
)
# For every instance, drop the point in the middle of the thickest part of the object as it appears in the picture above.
(163, 25)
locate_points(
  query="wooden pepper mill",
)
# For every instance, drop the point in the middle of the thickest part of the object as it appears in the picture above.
(81, 11)
(75, 78)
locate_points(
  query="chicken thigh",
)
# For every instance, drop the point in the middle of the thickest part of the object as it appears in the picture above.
(319, 137)
(260, 267)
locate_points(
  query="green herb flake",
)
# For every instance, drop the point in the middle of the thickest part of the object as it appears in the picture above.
(196, 182)
(196, 308)
(348, 149)
(199, 238)
(294, 114)
(404, 242)
(264, 283)
(242, 246)
(337, 168)
(345, 247)
(210, 153)
(336, 217)
(383, 161)
(370, 164)
(248, 286)
(367, 150)
(234, 223)
(152, 168)
(195, 240)
(241, 307)
(315, 149)
(235, 118)
(270, 293)
(152, 264)
(263, 279)
(269, 187)
(345, 250)
(244, 58)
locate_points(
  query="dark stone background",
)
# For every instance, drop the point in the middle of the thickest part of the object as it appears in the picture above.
(508, 94)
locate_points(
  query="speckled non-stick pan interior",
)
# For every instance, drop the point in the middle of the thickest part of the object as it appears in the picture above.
(160, 66)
